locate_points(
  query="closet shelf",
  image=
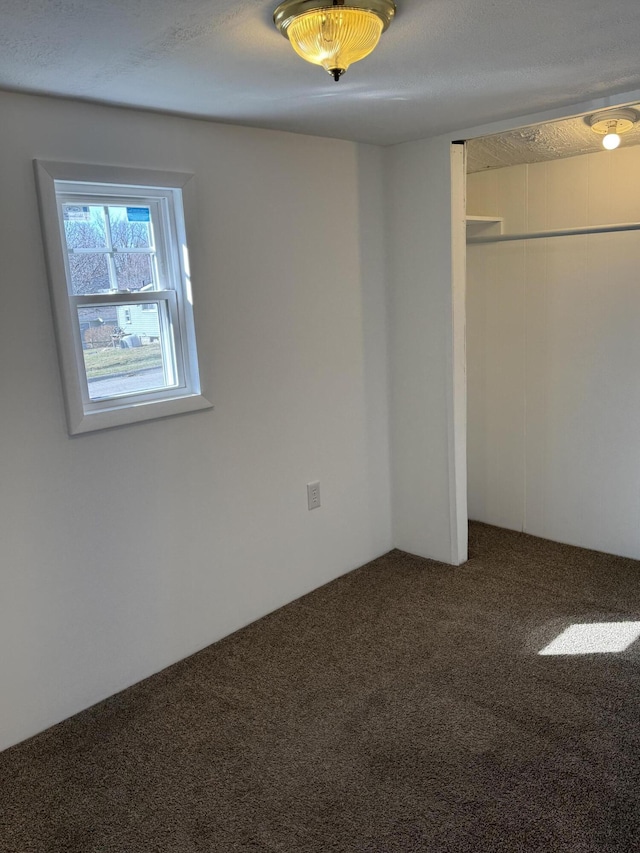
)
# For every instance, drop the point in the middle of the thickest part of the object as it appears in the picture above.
(491, 226)
(472, 219)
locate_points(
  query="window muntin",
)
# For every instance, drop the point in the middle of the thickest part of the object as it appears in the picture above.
(123, 303)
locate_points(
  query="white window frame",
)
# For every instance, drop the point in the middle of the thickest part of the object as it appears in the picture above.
(170, 195)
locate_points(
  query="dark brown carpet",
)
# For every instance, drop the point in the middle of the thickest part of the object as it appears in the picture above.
(401, 708)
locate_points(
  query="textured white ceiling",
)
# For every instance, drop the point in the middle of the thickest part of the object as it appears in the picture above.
(443, 65)
(550, 141)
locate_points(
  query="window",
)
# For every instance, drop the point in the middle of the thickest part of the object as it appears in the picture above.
(120, 282)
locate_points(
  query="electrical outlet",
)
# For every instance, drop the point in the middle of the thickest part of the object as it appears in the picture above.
(313, 495)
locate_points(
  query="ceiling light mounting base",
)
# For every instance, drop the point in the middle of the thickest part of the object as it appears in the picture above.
(612, 121)
(291, 9)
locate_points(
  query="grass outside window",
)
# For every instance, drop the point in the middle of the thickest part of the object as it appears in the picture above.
(111, 361)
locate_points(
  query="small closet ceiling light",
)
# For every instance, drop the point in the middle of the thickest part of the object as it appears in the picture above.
(611, 123)
(334, 33)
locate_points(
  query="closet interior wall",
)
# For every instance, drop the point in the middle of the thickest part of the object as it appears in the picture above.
(553, 353)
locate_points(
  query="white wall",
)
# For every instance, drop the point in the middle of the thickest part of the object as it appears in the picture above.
(426, 358)
(553, 354)
(126, 550)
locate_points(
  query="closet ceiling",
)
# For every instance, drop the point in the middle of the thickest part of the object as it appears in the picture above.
(551, 141)
(442, 66)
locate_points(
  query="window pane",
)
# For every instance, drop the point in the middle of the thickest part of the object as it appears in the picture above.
(134, 271)
(89, 273)
(126, 349)
(131, 227)
(84, 226)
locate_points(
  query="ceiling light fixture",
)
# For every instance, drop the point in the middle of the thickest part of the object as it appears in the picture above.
(611, 123)
(334, 33)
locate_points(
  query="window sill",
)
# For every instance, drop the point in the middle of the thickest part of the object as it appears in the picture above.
(127, 414)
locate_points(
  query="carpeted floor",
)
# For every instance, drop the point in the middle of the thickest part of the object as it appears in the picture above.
(401, 708)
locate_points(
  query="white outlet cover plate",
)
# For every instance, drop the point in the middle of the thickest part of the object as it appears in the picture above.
(313, 495)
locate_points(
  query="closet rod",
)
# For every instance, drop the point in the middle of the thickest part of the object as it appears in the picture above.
(561, 232)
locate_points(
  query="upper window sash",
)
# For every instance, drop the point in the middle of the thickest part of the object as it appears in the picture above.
(160, 270)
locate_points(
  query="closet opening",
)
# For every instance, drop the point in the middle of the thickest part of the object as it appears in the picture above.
(553, 334)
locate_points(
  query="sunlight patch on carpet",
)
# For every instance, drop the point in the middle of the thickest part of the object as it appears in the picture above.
(594, 639)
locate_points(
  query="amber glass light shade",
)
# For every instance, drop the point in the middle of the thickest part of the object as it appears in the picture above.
(334, 33)
(334, 38)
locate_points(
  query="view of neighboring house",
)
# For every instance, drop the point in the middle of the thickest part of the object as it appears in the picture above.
(141, 320)
(98, 324)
